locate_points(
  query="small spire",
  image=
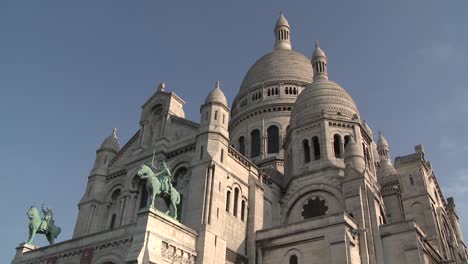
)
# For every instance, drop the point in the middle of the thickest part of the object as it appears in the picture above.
(317, 44)
(218, 85)
(162, 87)
(282, 33)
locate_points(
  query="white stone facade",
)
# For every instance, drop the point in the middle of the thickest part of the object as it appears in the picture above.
(291, 175)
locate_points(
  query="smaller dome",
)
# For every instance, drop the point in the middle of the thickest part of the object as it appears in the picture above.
(111, 142)
(382, 142)
(322, 97)
(318, 52)
(216, 96)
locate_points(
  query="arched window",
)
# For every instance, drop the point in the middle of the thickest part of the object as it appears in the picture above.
(181, 180)
(293, 259)
(243, 210)
(112, 222)
(241, 143)
(115, 195)
(255, 143)
(236, 198)
(228, 201)
(222, 155)
(316, 143)
(337, 145)
(216, 115)
(143, 197)
(114, 208)
(273, 139)
(306, 148)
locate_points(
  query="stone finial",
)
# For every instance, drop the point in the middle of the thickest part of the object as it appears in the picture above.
(162, 87)
(114, 133)
(218, 85)
(317, 44)
(419, 149)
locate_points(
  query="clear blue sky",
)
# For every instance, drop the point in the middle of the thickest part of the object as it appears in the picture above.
(70, 71)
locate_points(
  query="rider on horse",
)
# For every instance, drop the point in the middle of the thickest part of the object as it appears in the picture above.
(47, 220)
(165, 177)
(166, 180)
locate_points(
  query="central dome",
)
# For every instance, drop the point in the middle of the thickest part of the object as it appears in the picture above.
(280, 65)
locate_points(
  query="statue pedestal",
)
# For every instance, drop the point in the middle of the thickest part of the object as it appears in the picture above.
(23, 248)
(160, 239)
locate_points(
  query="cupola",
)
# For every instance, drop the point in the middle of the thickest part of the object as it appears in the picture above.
(282, 33)
(386, 167)
(319, 63)
(216, 96)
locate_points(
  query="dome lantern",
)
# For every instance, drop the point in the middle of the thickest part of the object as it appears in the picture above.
(319, 63)
(282, 33)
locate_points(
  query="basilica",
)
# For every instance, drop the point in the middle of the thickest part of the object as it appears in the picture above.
(288, 174)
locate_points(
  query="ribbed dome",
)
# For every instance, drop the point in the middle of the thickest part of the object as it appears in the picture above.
(320, 96)
(216, 96)
(279, 66)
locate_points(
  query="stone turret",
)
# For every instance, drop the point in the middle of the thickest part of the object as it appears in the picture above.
(215, 112)
(386, 167)
(354, 157)
(95, 189)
